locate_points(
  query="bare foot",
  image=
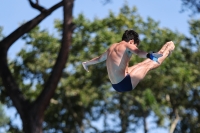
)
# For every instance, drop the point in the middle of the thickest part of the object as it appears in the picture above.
(171, 45)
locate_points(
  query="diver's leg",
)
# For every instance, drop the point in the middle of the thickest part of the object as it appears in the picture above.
(139, 71)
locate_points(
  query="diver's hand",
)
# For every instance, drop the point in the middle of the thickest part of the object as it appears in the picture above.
(154, 56)
(85, 66)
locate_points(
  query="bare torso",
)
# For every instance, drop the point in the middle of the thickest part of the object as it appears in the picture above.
(118, 57)
(117, 61)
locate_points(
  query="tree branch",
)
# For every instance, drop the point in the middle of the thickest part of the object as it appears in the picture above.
(11, 87)
(175, 122)
(175, 111)
(8, 81)
(193, 5)
(10, 39)
(37, 6)
(104, 2)
(44, 98)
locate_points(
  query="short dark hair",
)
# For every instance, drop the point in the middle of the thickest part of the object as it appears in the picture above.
(131, 35)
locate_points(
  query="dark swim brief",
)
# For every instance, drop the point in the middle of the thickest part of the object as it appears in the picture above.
(124, 85)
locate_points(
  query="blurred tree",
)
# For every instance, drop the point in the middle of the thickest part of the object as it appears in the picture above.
(190, 117)
(193, 5)
(3, 118)
(82, 98)
(165, 83)
(32, 113)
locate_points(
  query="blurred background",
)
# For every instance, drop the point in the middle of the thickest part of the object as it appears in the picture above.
(44, 88)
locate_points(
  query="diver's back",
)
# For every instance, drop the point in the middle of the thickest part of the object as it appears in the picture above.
(117, 62)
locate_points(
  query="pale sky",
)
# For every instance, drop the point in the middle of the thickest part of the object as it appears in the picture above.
(167, 12)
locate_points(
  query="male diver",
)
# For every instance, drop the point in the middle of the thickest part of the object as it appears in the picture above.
(124, 78)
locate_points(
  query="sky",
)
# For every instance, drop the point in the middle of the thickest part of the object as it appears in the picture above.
(167, 12)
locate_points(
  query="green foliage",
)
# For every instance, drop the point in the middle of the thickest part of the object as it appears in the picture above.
(35, 61)
(194, 30)
(192, 5)
(83, 97)
(190, 98)
(3, 118)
